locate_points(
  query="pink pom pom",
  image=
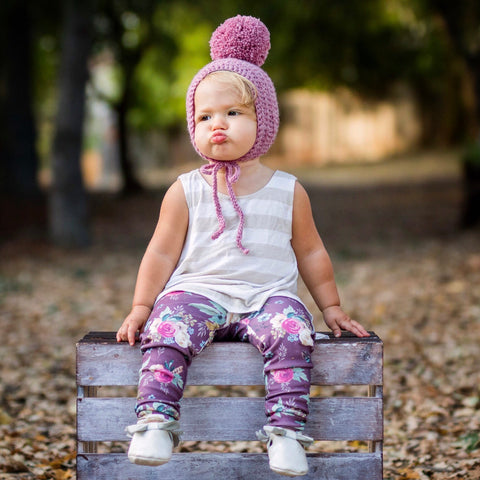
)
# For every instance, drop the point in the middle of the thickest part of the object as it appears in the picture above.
(242, 37)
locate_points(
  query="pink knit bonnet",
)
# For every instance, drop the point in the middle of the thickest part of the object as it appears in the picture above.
(241, 45)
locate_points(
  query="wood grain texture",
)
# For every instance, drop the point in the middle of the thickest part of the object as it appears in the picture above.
(343, 361)
(228, 466)
(234, 418)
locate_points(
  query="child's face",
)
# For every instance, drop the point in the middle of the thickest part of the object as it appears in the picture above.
(224, 128)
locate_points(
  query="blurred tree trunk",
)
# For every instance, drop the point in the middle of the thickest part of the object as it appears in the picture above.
(21, 201)
(18, 155)
(18, 136)
(130, 183)
(471, 171)
(68, 211)
(128, 59)
(462, 21)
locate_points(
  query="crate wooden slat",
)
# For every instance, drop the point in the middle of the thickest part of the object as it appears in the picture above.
(228, 466)
(347, 360)
(211, 418)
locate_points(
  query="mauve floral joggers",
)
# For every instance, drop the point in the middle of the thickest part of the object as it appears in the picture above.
(182, 324)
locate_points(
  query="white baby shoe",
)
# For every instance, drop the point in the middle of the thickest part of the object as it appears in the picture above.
(153, 439)
(286, 452)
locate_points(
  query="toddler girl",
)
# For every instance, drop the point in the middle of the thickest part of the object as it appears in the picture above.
(224, 259)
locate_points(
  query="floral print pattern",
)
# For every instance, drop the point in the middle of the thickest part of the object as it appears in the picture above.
(287, 323)
(182, 324)
(174, 330)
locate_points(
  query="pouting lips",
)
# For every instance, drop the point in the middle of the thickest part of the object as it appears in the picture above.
(218, 137)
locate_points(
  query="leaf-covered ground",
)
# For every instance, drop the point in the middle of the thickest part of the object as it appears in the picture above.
(404, 269)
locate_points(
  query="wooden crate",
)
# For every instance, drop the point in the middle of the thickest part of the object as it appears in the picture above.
(348, 360)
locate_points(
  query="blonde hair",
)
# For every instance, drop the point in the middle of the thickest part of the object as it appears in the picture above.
(245, 88)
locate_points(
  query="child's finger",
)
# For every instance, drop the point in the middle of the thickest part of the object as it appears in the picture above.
(120, 335)
(358, 330)
(132, 330)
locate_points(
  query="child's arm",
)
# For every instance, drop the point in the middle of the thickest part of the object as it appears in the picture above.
(316, 268)
(159, 261)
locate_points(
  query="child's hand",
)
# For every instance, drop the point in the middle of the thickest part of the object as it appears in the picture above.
(337, 320)
(134, 322)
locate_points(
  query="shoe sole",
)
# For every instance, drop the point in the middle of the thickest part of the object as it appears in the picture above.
(288, 473)
(151, 462)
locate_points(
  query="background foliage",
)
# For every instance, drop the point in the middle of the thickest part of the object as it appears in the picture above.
(150, 49)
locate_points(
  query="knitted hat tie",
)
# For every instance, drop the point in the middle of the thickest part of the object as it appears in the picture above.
(232, 172)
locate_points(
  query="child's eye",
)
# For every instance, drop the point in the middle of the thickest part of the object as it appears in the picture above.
(203, 118)
(233, 113)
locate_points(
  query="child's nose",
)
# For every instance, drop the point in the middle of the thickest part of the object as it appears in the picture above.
(219, 121)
